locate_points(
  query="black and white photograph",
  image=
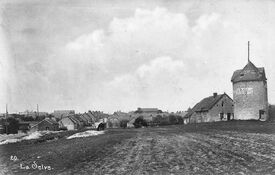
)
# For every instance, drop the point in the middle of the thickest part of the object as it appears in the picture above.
(137, 87)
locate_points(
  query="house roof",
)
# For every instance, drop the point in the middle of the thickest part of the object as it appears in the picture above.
(249, 73)
(51, 121)
(74, 119)
(206, 104)
(98, 115)
(79, 118)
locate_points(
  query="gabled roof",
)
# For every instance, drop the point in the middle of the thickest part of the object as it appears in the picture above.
(74, 119)
(206, 104)
(98, 115)
(51, 121)
(249, 73)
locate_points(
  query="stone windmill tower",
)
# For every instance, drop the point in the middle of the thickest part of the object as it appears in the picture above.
(250, 93)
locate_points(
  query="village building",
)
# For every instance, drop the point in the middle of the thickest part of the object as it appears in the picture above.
(88, 118)
(211, 109)
(46, 125)
(99, 116)
(71, 122)
(250, 93)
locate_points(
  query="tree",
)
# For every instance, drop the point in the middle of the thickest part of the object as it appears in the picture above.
(12, 125)
(123, 123)
(139, 122)
(179, 119)
(109, 124)
(157, 120)
(172, 119)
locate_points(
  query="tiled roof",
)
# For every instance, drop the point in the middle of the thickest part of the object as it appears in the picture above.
(249, 73)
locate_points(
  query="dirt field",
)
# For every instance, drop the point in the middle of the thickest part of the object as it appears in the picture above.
(163, 150)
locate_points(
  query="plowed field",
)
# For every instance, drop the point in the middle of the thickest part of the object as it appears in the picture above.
(160, 150)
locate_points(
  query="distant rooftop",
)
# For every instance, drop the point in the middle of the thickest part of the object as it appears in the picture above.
(148, 110)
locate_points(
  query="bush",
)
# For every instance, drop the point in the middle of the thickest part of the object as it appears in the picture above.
(172, 119)
(139, 122)
(12, 125)
(123, 123)
(157, 120)
(109, 124)
(180, 119)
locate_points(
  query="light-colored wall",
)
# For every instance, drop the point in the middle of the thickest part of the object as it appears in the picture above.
(214, 113)
(250, 97)
(67, 123)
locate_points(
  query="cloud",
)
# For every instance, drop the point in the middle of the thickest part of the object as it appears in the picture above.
(155, 84)
(156, 58)
(152, 58)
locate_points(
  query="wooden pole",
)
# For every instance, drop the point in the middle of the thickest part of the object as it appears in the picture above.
(248, 51)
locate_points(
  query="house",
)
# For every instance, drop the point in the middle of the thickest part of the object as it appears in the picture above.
(46, 125)
(99, 116)
(186, 119)
(80, 120)
(113, 122)
(250, 93)
(211, 109)
(86, 119)
(70, 122)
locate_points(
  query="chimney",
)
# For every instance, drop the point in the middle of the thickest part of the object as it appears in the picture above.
(215, 94)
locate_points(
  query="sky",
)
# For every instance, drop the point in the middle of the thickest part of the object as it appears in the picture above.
(112, 55)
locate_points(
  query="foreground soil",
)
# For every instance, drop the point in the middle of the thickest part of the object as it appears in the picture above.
(196, 149)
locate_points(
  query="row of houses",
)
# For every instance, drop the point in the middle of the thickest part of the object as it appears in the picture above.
(67, 120)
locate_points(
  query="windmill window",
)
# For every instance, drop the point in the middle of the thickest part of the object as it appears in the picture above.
(242, 75)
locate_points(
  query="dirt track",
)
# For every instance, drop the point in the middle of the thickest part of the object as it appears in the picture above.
(166, 151)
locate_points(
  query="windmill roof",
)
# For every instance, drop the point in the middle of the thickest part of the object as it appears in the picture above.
(249, 73)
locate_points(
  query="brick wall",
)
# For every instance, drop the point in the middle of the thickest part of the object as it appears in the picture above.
(249, 98)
